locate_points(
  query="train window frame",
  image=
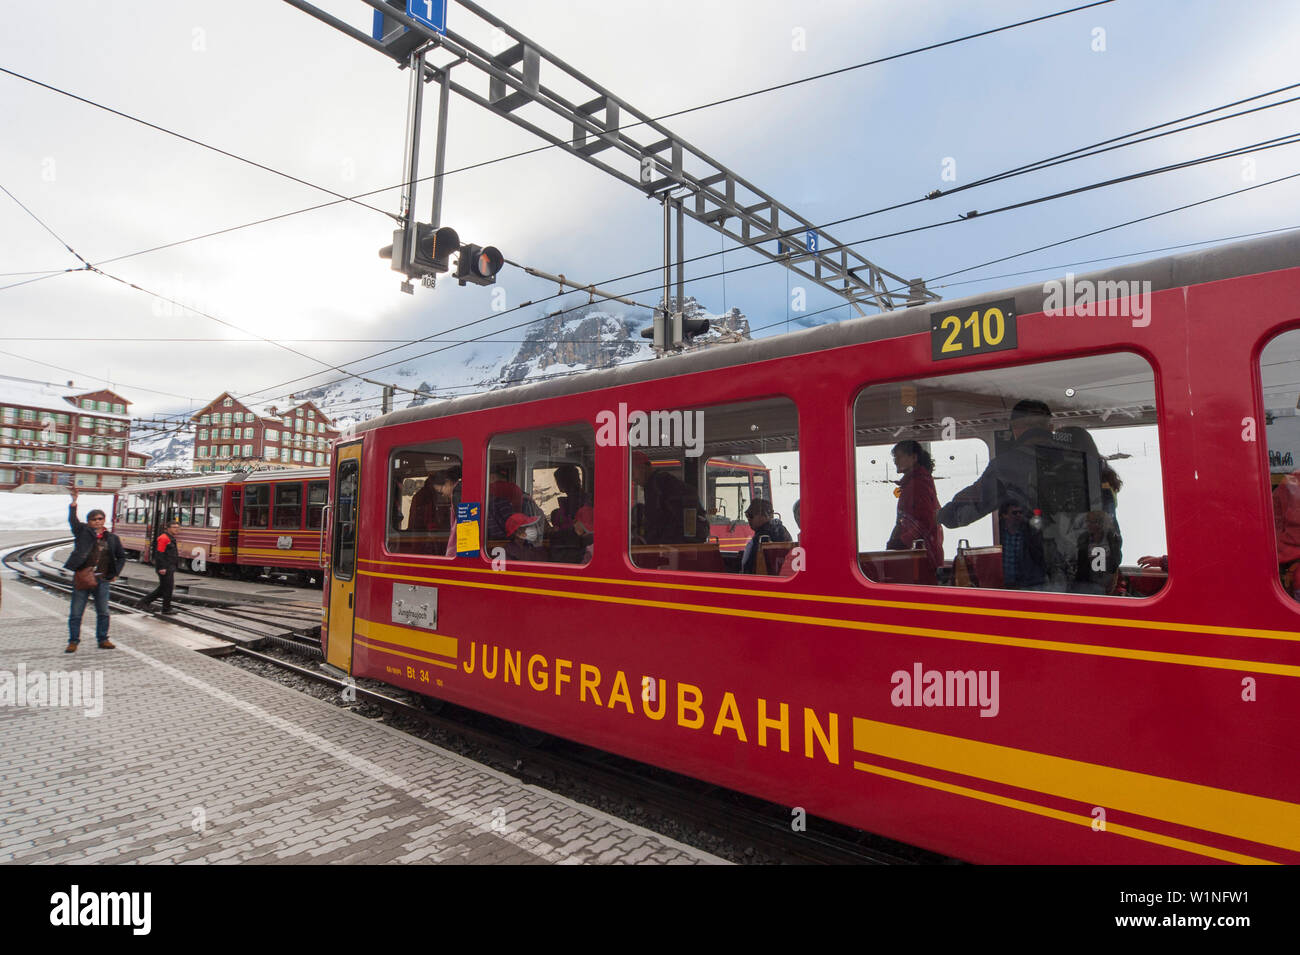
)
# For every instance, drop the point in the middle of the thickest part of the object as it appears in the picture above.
(316, 509)
(777, 574)
(403, 541)
(1271, 488)
(582, 526)
(259, 491)
(214, 506)
(1135, 578)
(296, 507)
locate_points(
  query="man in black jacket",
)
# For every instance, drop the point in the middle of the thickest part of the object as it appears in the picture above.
(95, 547)
(165, 561)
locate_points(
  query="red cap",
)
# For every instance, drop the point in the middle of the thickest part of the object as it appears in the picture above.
(517, 521)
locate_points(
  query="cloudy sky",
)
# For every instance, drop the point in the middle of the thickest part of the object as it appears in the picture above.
(266, 82)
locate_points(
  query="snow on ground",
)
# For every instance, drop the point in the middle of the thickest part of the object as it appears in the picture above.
(39, 512)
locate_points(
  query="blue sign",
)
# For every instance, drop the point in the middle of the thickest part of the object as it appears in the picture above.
(810, 240)
(466, 530)
(432, 13)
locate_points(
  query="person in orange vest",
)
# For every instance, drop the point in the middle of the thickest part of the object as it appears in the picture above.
(165, 561)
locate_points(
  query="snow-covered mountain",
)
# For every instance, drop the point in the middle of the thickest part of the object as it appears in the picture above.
(590, 337)
(172, 451)
(595, 336)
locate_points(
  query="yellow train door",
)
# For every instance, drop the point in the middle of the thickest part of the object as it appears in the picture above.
(345, 508)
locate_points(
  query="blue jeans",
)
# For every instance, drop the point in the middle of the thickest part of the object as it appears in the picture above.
(79, 600)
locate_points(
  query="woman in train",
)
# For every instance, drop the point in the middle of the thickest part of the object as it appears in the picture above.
(572, 522)
(918, 504)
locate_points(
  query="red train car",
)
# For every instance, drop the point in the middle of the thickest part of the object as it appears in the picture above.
(264, 522)
(1036, 694)
(205, 505)
(280, 520)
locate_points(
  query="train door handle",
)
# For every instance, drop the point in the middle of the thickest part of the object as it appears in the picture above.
(349, 601)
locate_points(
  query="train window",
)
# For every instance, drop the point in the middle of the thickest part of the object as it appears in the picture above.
(196, 510)
(214, 507)
(541, 495)
(184, 506)
(288, 506)
(715, 489)
(257, 505)
(317, 496)
(1015, 478)
(423, 491)
(1279, 368)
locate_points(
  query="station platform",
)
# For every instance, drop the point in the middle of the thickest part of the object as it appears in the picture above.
(170, 756)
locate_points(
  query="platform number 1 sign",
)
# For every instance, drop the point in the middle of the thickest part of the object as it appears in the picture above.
(432, 13)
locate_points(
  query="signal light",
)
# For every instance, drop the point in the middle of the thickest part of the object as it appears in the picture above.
(479, 264)
(694, 326)
(433, 247)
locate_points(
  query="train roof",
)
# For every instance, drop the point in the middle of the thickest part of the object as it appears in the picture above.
(228, 477)
(300, 474)
(1267, 254)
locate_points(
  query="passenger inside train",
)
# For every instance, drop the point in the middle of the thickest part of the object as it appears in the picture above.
(768, 529)
(525, 538)
(1035, 499)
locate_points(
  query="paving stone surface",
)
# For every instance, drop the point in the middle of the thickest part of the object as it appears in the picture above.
(189, 759)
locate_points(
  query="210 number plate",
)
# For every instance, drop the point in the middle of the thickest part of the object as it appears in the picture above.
(973, 330)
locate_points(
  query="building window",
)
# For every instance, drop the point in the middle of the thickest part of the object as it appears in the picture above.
(272, 454)
(119, 408)
(226, 418)
(1011, 478)
(28, 414)
(272, 434)
(203, 434)
(114, 462)
(227, 403)
(83, 459)
(248, 450)
(203, 450)
(203, 419)
(225, 450)
(87, 404)
(297, 457)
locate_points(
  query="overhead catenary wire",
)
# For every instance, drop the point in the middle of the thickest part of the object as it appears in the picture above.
(1278, 141)
(729, 100)
(699, 278)
(478, 165)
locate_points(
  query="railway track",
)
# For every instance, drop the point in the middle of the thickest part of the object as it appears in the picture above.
(242, 622)
(294, 627)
